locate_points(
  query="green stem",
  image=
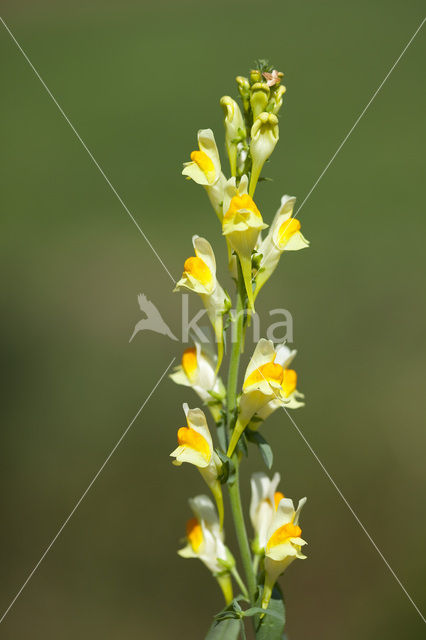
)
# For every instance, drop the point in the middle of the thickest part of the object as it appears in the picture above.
(239, 582)
(240, 530)
(256, 563)
(234, 362)
(234, 487)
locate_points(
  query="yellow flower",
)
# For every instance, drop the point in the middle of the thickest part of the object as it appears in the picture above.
(290, 395)
(229, 192)
(241, 226)
(264, 502)
(199, 275)
(284, 544)
(235, 129)
(262, 383)
(284, 235)
(264, 137)
(205, 541)
(195, 446)
(198, 370)
(205, 169)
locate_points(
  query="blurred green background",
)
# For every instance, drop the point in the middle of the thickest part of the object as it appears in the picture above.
(137, 80)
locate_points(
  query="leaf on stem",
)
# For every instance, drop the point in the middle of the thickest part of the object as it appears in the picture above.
(220, 430)
(264, 447)
(228, 468)
(242, 445)
(226, 629)
(271, 625)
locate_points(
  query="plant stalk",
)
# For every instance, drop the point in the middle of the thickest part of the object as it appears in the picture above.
(234, 487)
(240, 529)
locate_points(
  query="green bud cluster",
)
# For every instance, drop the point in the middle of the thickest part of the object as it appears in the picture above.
(261, 92)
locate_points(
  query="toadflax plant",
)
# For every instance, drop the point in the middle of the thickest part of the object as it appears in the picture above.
(217, 444)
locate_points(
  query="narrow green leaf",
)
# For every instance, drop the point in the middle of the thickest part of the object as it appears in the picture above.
(228, 468)
(264, 446)
(228, 629)
(258, 610)
(220, 430)
(242, 445)
(227, 615)
(271, 627)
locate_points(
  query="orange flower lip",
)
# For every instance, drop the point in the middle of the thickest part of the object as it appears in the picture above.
(197, 268)
(278, 496)
(238, 203)
(289, 381)
(283, 534)
(189, 362)
(271, 372)
(188, 437)
(287, 229)
(194, 533)
(203, 161)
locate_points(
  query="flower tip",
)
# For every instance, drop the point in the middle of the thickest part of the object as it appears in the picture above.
(225, 100)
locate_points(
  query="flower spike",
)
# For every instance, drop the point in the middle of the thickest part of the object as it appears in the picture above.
(270, 382)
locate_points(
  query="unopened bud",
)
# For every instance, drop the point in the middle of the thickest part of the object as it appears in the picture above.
(244, 91)
(264, 137)
(255, 76)
(259, 96)
(277, 99)
(235, 130)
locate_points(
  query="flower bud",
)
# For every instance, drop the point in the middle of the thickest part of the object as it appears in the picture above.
(244, 91)
(276, 100)
(264, 137)
(235, 130)
(255, 76)
(259, 96)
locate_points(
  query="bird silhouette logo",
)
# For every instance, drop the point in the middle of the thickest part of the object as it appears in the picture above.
(153, 321)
